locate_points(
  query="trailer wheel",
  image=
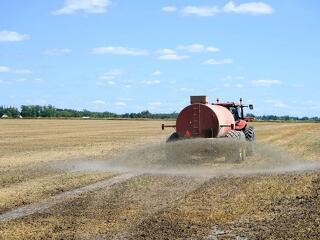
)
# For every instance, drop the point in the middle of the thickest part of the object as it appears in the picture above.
(173, 137)
(170, 153)
(250, 149)
(238, 152)
(250, 137)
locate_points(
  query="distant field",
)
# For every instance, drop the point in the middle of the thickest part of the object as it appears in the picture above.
(151, 206)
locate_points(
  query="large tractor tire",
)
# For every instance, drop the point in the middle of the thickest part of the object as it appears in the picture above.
(235, 135)
(249, 133)
(250, 137)
(238, 152)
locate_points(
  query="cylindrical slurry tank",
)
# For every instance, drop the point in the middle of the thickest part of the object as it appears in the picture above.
(204, 120)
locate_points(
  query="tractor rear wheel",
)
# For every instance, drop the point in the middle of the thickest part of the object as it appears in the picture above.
(249, 133)
(233, 134)
(250, 137)
(238, 152)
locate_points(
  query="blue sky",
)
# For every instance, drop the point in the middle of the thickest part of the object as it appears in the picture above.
(128, 56)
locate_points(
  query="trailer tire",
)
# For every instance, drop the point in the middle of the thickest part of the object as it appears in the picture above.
(170, 152)
(238, 153)
(173, 137)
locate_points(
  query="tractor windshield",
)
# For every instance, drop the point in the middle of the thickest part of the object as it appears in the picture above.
(235, 112)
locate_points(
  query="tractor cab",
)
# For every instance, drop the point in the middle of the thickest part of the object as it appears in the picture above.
(234, 108)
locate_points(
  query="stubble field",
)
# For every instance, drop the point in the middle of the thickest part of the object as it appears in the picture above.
(66, 179)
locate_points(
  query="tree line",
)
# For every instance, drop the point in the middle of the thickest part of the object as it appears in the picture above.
(37, 111)
(49, 111)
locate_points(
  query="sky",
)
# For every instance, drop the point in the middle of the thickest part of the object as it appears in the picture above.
(128, 56)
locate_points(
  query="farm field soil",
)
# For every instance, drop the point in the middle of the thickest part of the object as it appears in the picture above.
(282, 205)
(30, 147)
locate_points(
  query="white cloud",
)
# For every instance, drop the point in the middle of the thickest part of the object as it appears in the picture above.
(184, 89)
(114, 78)
(165, 51)
(277, 103)
(202, 11)
(172, 82)
(151, 82)
(110, 75)
(212, 49)
(218, 62)
(120, 104)
(170, 54)
(107, 77)
(173, 57)
(57, 51)
(110, 78)
(124, 99)
(38, 80)
(155, 104)
(36, 101)
(99, 102)
(119, 51)
(265, 83)
(23, 71)
(232, 78)
(8, 36)
(310, 104)
(280, 105)
(115, 72)
(4, 69)
(111, 82)
(236, 85)
(169, 9)
(198, 48)
(254, 8)
(86, 6)
(156, 73)
(21, 80)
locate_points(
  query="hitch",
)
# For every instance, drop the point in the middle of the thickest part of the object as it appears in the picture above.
(165, 126)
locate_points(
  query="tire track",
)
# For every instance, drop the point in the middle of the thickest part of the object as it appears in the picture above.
(45, 204)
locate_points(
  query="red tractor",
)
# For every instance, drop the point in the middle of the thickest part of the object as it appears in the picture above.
(201, 119)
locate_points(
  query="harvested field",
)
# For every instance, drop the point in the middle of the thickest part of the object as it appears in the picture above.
(273, 195)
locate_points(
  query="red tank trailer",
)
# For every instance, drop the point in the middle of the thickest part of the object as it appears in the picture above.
(202, 119)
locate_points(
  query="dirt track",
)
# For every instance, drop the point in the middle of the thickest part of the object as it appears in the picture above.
(42, 206)
(265, 205)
